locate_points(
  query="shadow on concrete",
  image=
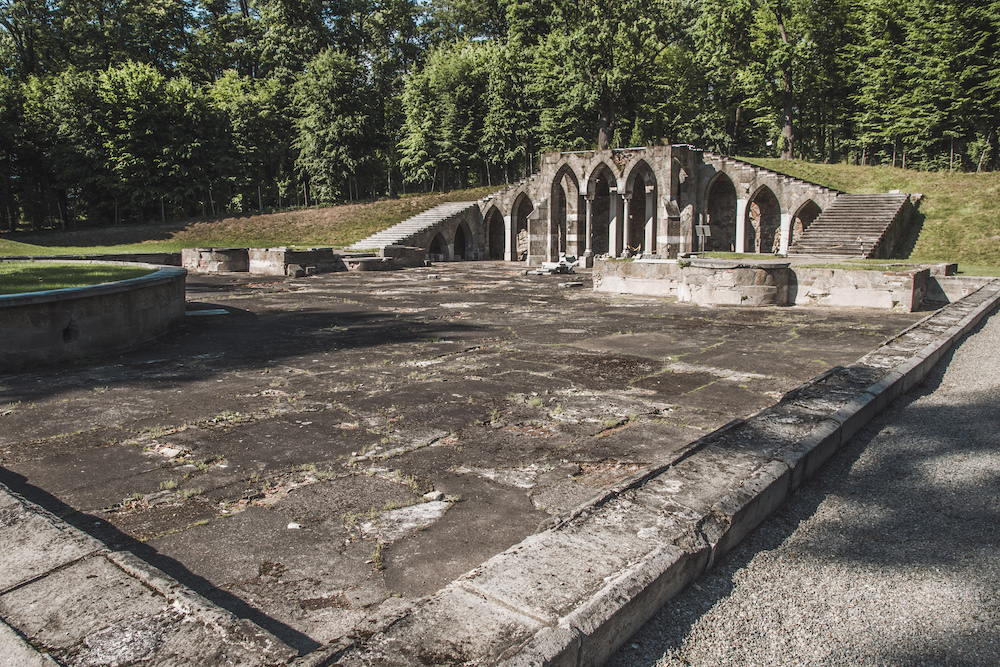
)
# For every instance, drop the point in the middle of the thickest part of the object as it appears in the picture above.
(119, 541)
(239, 341)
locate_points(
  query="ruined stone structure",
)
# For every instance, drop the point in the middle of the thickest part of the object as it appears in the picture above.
(660, 201)
(650, 201)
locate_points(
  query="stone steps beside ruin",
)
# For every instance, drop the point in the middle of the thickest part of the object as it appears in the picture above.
(850, 227)
(399, 233)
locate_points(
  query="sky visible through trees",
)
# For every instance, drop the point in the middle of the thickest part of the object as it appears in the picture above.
(125, 110)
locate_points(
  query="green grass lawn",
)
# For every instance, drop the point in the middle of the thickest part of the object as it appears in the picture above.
(17, 277)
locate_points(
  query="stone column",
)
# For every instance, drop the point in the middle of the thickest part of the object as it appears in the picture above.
(786, 231)
(549, 249)
(650, 227)
(626, 224)
(614, 210)
(589, 250)
(510, 243)
(741, 224)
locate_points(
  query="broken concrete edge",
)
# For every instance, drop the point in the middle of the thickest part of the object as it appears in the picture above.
(17, 651)
(713, 525)
(221, 624)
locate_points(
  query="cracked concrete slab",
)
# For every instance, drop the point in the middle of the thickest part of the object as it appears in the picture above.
(325, 404)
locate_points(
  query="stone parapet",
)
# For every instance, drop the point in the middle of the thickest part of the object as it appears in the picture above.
(58, 325)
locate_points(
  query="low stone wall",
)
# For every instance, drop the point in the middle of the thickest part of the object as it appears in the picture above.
(903, 290)
(771, 283)
(295, 262)
(700, 281)
(735, 283)
(58, 325)
(949, 289)
(215, 260)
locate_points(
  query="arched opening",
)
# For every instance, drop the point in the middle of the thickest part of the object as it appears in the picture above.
(495, 229)
(522, 209)
(602, 183)
(438, 248)
(641, 188)
(763, 221)
(804, 217)
(461, 243)
(720, 207)
(559, 218)
(568, 235)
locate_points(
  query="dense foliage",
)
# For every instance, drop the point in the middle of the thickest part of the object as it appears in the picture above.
(122, 110)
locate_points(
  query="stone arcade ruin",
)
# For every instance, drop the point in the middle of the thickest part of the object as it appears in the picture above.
(647, 201)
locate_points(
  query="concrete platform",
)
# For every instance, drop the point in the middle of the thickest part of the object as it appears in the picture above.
(456, 464)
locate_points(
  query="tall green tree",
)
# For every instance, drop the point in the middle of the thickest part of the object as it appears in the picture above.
(335, 131)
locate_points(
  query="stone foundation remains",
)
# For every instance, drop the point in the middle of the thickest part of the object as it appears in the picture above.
(776, 283)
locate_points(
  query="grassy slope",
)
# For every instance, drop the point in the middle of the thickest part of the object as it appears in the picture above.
(328, 226)
(961, 216)
(36, 276)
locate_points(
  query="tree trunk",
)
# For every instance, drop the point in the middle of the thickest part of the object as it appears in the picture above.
(605, 124)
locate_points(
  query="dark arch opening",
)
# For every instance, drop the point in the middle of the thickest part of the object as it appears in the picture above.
(721, 210)
(439, 246)
(804, 217)
(461, 250)
(495, 234)
(763, 221)
(600, 224)
(522, 210)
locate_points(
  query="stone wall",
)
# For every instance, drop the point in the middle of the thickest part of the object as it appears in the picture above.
(904, 290)
(58, 325)
(772, 283)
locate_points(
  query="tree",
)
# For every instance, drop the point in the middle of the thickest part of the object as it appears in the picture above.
(602, 52)
(334, 128)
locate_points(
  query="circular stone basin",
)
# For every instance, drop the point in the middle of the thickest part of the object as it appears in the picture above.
(51, 326)
(736, 282)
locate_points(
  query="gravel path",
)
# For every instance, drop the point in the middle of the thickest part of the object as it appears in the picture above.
(888, 557)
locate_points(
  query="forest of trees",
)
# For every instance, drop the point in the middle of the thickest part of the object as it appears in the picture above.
(125, 110)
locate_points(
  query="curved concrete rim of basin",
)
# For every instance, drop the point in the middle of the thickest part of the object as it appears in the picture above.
(161, 274)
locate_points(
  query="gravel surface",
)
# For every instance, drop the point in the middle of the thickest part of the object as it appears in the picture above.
(887, 557)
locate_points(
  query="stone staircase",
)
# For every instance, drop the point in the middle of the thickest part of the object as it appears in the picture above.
(401, 232)
(853, 226)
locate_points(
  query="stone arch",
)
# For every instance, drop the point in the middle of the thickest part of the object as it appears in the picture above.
(641, 193)
(496, 233)
(565, 215)
(439, 247)
(462, 243)
(720, 206)
(602, 190)
(804, 216)
(763, 222)
(521, 239)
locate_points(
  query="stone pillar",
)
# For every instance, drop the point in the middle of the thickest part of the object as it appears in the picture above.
(786, 231)
(589, 250)
(650, 227)
(614, 211)
(741, 224)
(510, 243)
(626, 223)
(550, 247)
